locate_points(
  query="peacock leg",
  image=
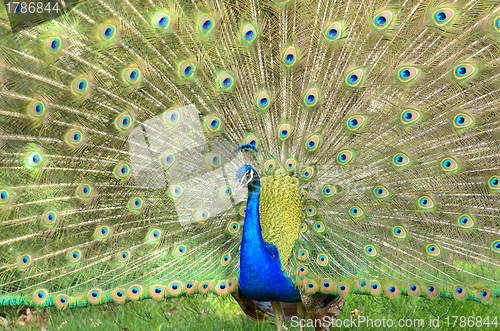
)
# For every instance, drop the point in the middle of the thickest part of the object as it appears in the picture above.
(279, 315)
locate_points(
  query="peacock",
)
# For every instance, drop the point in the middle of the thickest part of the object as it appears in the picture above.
(285, 152)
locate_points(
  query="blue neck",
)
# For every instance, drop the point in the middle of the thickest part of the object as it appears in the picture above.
(261, 274)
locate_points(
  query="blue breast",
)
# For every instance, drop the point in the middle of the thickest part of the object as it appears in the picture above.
(261, 275)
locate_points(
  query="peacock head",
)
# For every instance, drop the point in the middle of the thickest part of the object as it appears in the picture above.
(247, 176)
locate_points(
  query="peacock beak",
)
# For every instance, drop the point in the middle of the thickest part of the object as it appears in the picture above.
(238, 186)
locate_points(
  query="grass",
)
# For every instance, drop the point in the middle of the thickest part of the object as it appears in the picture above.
(214, 313)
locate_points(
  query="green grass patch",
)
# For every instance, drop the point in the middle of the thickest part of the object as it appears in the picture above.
(214, 313)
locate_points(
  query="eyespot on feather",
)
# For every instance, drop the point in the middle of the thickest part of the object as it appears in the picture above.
(123, 121)
(174, 289)
(167, 159)
(176, 191)
(24, 261)
(225, 259)
(443, 16)
(495, 246)
(460, 292)
(161, 21)
(206, 24)
(354, 77)
(248, 34)
(463, 121)
(464, 70)
(102, 232)
(329, 191)
(172, 117)
(290, 164)
(94, 296)
(343, 289)
(484, 295)
(263, 100)
(202, 215)
(124, 256)
(303, 254)
(431, 290)
(311, 211)
(119, 295)
(84, 191)
(135, 204)
(401, 160)
(433, 250)
(37, 109)
(493, 182)
(74, 137)
(74, 256)
(225, 81)
(284, 131)
(426, 203)
(310, 287)
(355, 122)
(392, 291)
(399, 232)
(233, 227)
(222, 288)
(356, 212)
(466, 221)
(333, 31)
(375, 288)
(187, 69)
(53, 45)
(131, 75)
(410, 116)
(157, 292)
(107, 31)
(407, 74)
(35, 160)
(49, 218)
(381, 192)
(154, 235)
(190, 287)
(307, 173)
(206, 287)
(383, 19)
(181, 250)
(62, 301)
(303, 228)
(322, 260)
(134, 292)
(313, 142)
(326, 286)
(270, 165)
(449, 165)
(121, 170)
(311, 97)
(40, 296)
(370, 250)
(345, 156)
(290, 56)
(80, 85)
(5, 197)
(301, 270)
(319, 227)
(213, 160)
(413, 289)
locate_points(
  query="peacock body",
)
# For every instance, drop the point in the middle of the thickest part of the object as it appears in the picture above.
(364, 135)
